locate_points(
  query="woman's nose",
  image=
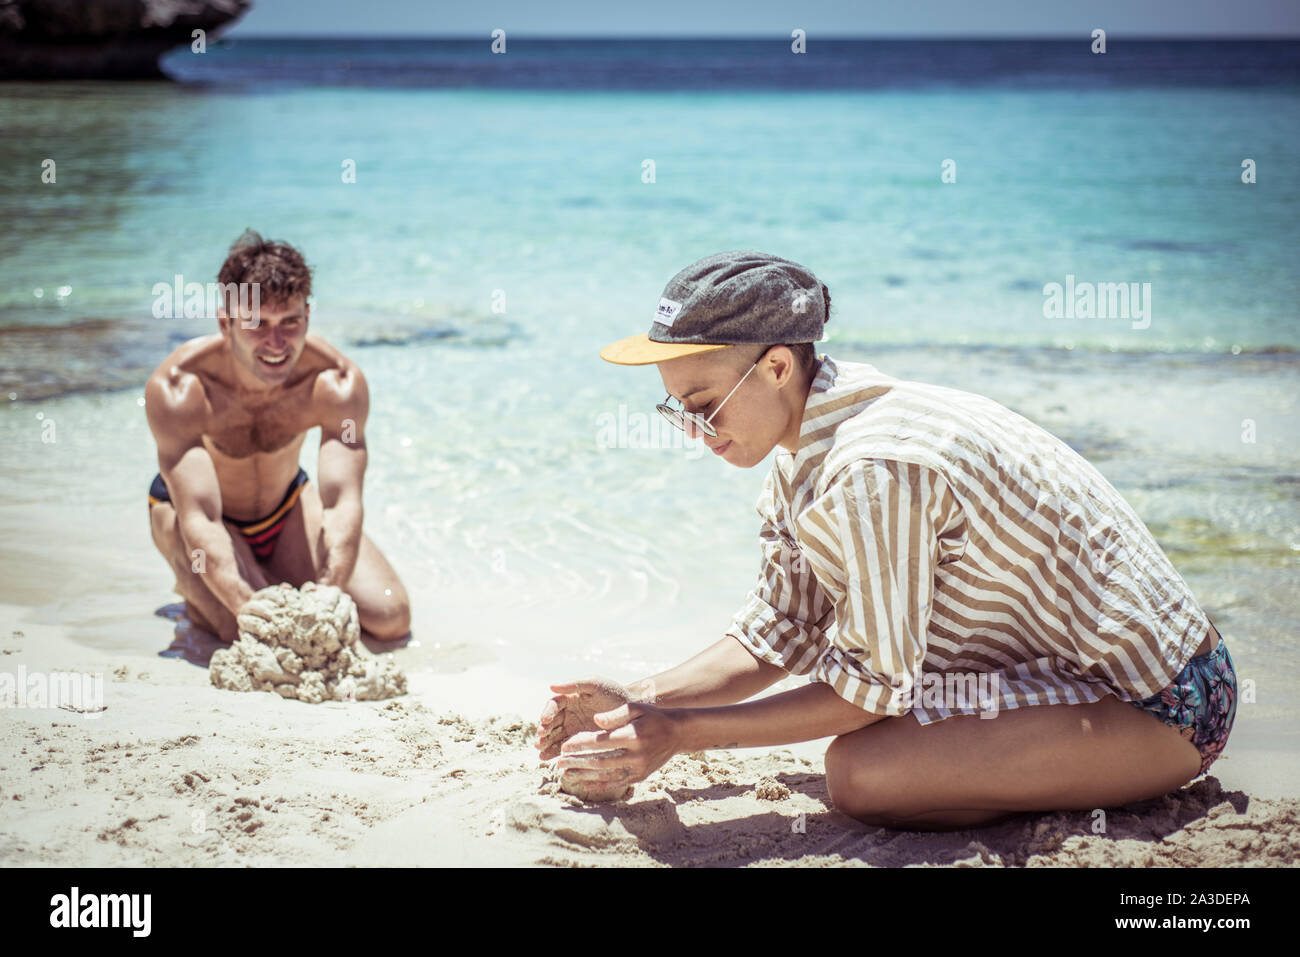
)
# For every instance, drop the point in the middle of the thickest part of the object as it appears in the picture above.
(693, 430)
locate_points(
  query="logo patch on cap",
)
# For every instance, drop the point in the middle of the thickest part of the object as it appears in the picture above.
(667, 311)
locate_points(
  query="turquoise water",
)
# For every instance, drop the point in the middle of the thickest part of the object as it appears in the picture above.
(541, 194)
(519, 533)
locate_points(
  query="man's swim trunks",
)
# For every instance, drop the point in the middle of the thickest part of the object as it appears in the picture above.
(1201, 703)
(262, 534)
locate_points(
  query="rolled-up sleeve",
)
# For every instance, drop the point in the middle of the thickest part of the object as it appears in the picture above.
(873, 537)
(786, 616)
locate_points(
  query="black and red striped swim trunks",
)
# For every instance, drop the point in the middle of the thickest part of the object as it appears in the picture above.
(262, 534)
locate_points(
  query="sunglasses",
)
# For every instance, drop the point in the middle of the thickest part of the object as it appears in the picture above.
(696, 422)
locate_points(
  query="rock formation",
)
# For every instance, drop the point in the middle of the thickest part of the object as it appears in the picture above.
(87, 39)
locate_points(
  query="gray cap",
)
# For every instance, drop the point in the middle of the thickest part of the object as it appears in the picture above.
(730, 298)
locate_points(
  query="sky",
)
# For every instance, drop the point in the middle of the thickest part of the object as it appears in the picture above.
(837, 18)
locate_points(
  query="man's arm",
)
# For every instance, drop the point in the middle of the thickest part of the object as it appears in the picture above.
(176, 413)
(723, 673)
(342, 402)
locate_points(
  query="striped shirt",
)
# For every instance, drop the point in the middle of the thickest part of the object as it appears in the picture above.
(921, 531)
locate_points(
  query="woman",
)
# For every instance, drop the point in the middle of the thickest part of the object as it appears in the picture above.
(932, 560)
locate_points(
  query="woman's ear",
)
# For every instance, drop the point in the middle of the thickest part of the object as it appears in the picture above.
(782, 360)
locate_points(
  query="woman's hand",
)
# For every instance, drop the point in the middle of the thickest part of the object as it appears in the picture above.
(574, 710)
(636, 740)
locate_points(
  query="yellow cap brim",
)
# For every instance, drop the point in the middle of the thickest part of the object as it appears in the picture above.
(642, 350)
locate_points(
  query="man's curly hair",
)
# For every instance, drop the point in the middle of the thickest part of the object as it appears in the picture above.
(279, 270)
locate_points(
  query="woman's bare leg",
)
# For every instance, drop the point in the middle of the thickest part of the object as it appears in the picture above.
(967, 771)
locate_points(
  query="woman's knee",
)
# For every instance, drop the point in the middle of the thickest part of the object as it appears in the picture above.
(857, 787)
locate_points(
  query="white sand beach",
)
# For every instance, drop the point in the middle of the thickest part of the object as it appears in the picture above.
(175, 772)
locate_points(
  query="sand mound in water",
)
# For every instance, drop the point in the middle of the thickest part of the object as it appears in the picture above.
(303, 644)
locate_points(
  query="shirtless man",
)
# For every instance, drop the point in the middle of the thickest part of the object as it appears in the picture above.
(230, 509)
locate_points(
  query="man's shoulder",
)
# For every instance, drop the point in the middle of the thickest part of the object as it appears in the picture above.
(339, 381)
(189, 352)
(176, 388)
(329, 361)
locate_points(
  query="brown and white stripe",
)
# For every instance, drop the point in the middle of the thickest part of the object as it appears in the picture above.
(923, 529)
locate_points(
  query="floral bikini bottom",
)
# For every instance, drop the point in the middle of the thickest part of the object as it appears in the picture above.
(1201, 703)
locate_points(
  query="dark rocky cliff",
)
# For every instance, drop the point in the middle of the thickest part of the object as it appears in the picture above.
(48, 39)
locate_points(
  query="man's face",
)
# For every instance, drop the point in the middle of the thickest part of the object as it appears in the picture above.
(754, 419)
(267, 345)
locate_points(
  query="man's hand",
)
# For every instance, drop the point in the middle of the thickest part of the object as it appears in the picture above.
(638, 740)
(574, 709)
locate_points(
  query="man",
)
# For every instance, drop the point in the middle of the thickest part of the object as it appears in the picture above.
(910, 532)
(230, 509)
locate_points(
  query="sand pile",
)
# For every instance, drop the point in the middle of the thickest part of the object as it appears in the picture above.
(303, 644)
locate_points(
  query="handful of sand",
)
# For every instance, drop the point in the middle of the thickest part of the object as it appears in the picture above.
(592, 792)
(303, 644)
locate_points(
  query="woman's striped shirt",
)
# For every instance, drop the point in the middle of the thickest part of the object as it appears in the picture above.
(922, 530)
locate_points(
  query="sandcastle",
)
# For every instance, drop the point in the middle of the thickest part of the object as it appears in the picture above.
(303, 644)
